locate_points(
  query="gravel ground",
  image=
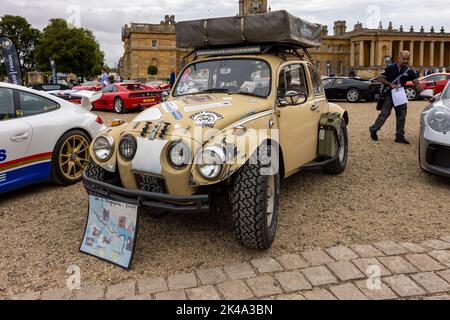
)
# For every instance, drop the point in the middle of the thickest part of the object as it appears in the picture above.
(382, 195)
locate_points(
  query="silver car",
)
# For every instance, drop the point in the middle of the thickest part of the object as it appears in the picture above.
(434, 149)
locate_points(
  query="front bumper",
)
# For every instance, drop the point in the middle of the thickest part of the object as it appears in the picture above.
(434, 157)
(158, 203)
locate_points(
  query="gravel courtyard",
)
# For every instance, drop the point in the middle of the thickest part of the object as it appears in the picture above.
(382, 195)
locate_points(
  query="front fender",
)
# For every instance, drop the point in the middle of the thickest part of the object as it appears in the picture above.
(114, 133)
(239, 142)
(332, 107)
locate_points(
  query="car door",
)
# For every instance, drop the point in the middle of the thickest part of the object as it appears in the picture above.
(298, 123)
(38, 112)
(341, 86)
(330, 90)
(15, 138)
(441, 82)
(104, 101)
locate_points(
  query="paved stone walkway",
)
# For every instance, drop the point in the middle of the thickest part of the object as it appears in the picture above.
(383, 270)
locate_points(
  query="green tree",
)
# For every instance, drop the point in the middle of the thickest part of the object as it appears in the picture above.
(24, 37)
(73, 49)
(152, 70)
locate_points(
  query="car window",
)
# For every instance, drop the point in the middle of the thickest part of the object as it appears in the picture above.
(340, 81)
(31, 104)
(292, 77)
(6, 104)
(327, 82)
(108, 89)
(317, 84)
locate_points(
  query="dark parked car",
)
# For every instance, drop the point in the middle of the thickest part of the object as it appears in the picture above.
(352, 89)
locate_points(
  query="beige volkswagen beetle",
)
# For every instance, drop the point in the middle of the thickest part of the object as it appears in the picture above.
(237, 121)
(232, 127)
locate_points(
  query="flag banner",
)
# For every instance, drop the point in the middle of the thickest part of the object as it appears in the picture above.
(11, 61)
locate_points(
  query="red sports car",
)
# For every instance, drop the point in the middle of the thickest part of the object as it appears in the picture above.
(121, 97)
(160, 84)
(90, 86)
(435, 82)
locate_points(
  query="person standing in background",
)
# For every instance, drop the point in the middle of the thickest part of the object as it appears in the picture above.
(173, 78)
(394, 79)
(105, 78)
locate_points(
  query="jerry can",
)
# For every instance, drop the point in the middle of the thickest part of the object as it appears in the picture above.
(329, 127)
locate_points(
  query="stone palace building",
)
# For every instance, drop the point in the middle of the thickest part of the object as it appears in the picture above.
(365, 50)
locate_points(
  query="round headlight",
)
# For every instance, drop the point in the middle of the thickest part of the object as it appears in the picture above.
(179, 154)
(439, 119)
(211, 162)
(127, 147)
(103, 148)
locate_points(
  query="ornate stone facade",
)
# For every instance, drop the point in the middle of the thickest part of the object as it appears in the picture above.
(363, 49)
(150, 44)
(366, 50)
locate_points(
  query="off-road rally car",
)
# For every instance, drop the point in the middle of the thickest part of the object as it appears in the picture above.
(247, 111)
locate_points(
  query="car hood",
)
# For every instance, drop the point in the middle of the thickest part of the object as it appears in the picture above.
(442, 103)
(207, 111)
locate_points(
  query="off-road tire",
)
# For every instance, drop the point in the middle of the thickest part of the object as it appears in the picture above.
(94, 171)
(338, 166)
(56, 171)
(249, 197)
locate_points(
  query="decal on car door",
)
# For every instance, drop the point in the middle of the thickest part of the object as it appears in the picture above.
(2, 155)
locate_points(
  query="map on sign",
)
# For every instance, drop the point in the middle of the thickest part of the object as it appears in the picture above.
(111, 231)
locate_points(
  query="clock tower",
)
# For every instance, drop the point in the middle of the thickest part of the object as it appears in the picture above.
(247, 7)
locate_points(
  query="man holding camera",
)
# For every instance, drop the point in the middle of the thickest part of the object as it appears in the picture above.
(394, 79)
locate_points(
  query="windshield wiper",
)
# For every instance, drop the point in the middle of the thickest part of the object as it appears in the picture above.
(216, 90)
(247, 94)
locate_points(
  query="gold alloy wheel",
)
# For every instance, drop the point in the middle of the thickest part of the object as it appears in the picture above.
(74, 157)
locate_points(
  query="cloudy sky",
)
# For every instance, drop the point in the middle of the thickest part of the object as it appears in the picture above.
(106, 18)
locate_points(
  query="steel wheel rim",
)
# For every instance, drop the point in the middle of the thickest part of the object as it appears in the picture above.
(352, 95)
(410, 94)
(74, 157)
(118, 105)
(270, 199)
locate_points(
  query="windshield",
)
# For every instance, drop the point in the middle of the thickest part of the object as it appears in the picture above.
(246, 76)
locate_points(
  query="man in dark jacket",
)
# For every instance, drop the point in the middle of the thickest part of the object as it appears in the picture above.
(394, 78)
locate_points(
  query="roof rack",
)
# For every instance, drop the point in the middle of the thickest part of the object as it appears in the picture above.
(279, 49)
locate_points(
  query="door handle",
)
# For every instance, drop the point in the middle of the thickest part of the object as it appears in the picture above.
(20, 137)
(314, 107)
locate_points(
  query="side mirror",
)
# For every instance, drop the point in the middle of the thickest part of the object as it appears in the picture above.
(427, 95)
(293, 97)
(164, 95)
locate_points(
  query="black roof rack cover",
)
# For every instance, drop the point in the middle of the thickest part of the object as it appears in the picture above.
(276, 27)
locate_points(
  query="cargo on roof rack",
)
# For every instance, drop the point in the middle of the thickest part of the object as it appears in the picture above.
(276, 27)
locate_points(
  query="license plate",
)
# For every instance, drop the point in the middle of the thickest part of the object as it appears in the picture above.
(151, 184)
(149, 100)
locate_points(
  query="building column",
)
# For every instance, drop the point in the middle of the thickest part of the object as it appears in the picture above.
(361, 53)
(400, 46)
(421, 52)
(431, 53)
(380, 53)
(411, 50)
(372, 53)
(442, 54)
(352, 54)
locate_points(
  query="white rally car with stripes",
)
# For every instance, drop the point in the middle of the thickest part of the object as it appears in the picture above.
(43, 137)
